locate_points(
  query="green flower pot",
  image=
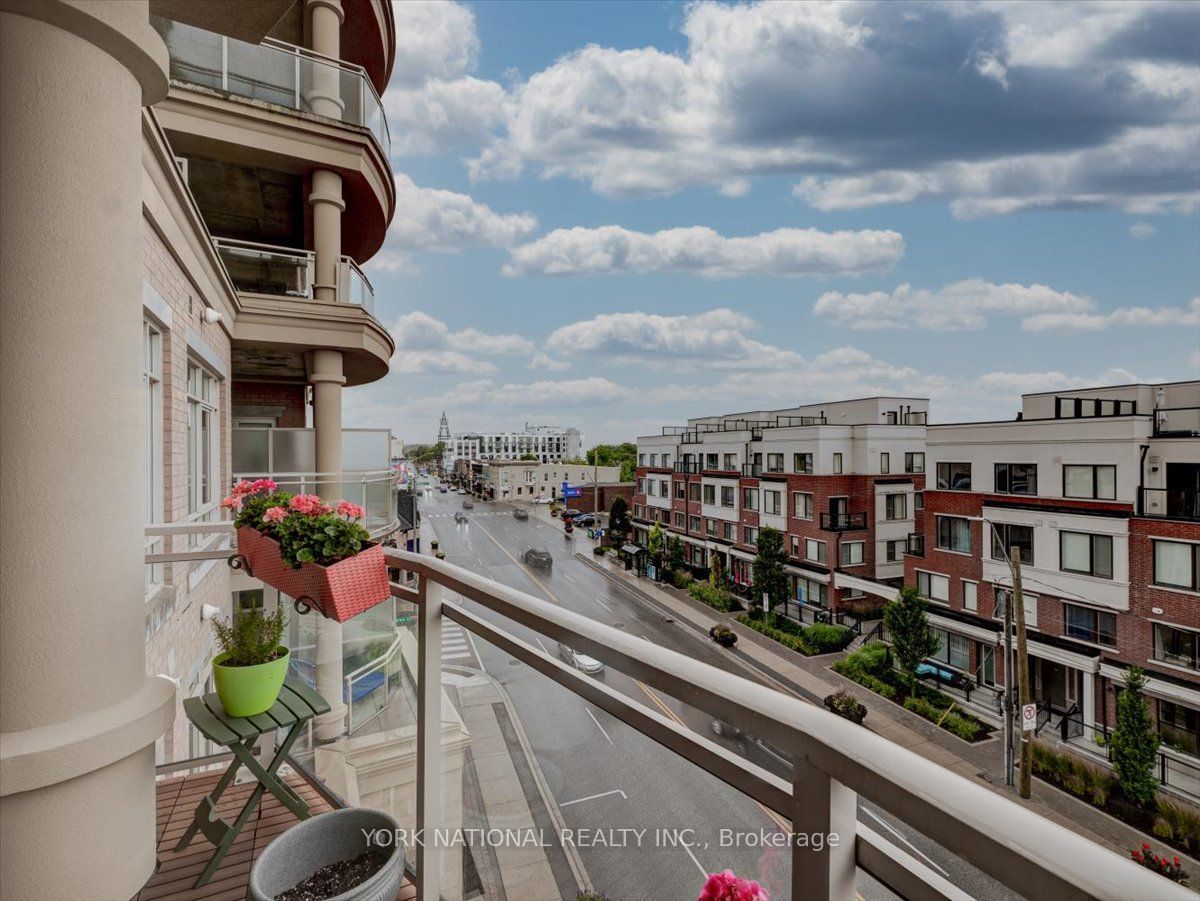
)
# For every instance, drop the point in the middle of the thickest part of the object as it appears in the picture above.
(249, 690)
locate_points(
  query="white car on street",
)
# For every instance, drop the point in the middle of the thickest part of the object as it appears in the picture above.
(542, 499)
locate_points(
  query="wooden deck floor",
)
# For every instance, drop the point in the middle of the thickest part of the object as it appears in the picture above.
(177, 871)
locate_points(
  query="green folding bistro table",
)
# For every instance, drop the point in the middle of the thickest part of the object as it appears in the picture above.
(296, 705)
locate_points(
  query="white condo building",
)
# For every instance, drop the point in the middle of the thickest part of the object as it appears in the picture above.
(546, 443)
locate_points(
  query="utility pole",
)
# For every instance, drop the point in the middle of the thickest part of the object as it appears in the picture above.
(1018, 601)
(1009, 712)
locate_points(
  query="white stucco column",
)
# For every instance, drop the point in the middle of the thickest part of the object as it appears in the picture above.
(78, 714)
(327, 380)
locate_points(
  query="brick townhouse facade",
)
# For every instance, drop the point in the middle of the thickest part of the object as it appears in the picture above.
(1098, 489)
(842, 481)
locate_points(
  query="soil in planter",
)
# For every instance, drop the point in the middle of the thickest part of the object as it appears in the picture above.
(338, 877)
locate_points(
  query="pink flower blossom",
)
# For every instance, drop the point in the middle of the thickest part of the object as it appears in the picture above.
(243, 488)
(349, 510)
(726, 886)
(275, 514)
(309, 505)
(232, 503)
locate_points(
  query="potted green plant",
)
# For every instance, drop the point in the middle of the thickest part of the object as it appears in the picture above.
(846, 705)
(723, 635)
(250, 669)
(316, 553)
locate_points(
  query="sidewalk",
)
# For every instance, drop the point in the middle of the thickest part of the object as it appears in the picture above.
(811, 679)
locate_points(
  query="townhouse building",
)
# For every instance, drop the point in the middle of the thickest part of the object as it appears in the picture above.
(1098, 489)
(841, 480)
(525, 480)
(189, 193)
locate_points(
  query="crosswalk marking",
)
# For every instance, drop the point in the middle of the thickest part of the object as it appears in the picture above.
(454, 642)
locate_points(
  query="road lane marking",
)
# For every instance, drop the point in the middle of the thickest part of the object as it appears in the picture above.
(659, 703)
(615, 791)
(567, 576)
(598, 726)
(915, 849)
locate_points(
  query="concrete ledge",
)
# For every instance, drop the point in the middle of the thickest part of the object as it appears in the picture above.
(47, 755)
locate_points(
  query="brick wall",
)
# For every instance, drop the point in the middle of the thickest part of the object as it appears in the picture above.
(267, 394)
(178, 643)
(1147, 602)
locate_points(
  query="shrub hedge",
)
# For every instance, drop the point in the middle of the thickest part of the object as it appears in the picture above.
(716, 597)
(818, 638)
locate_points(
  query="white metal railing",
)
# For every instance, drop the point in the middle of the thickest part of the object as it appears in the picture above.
(288, 272)
(373, 491)
(275, 72)
(836, 761)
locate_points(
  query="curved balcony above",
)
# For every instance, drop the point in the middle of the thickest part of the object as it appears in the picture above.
(280, 111)
(280, 320)
(369, 38)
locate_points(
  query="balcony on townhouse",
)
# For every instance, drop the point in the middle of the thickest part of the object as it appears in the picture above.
(424, 748)
(1169, 503)
(916, 544)
(843, 522)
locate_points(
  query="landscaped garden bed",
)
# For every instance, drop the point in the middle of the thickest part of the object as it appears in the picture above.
(819, 638)
(714, 596)
(871, 667)
(1171, 822)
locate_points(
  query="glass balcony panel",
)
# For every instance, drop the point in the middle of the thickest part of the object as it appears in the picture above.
(196, 55)
(293, 450)
(364, 449)
(251, 450)
(269, 76)
(261, 269)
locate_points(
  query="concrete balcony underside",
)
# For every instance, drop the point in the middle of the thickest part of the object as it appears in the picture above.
(273, 334)
(205, 123)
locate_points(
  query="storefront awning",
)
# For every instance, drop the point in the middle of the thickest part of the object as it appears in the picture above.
(632, 549)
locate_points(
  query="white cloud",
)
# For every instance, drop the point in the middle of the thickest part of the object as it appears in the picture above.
(434, 39)
(715, 339)
(427, 345)
(958, 306)
(995, 107)
(1142, 230)
(549, 364)
(540, 395)
(1129, 317)
(442, 115)
(701, 250)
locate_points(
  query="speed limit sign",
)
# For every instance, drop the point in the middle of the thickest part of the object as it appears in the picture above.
(1028, 717)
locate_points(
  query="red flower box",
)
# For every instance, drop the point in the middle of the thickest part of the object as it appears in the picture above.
(340, 591)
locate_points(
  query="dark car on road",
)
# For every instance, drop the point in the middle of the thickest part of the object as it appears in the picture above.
(468, 505)
(585, 519)
(538, 556)
(520, 514)
(570, 513)
(460, 517)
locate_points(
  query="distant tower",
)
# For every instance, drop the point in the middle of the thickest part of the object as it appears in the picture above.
(444, 429)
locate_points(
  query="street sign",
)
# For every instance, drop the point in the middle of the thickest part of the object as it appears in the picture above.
(1028, 717)
(569, 490)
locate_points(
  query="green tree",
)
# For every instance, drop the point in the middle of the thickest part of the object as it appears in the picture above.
(1134, 743)
(654, 543)
(769, 576)
(623, 455)
(618, 520)
(675, 560)
(716, 572)
(912, 639)
(527, 457)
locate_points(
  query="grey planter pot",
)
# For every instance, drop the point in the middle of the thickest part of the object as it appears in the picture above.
(321, 840)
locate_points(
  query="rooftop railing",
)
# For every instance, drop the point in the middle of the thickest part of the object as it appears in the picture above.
(275, 72)
(834, 764)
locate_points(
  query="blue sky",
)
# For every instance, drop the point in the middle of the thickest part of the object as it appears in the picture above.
(619, 215)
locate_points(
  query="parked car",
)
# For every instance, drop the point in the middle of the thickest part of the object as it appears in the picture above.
(468, 505)
(537, 556)
(570, 512)
(443, 489)
(581, 662)
(460, 517)
(584, 519)
(542, 499)
(520, 514)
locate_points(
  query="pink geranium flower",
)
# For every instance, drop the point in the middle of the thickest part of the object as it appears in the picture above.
(725, 886)
(275, 514)
(244, 487)
(349, 510)
(309, 505)
(232, 503)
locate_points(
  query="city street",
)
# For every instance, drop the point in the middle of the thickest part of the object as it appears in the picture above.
(605, 775)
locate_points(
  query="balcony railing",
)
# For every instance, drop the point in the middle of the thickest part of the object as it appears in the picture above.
(277, 73)
(843, 522)
(916, 544)
(690, 468)
(833, 764)
(751, 470)
(373, 491)
(287, 272)
(1179, 503)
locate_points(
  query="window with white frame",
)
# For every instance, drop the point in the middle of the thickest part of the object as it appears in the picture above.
(895, 549)
(774, 462)
(970, 595)
(152, 390)
(837, 463)
(814, 550)
(772, 503)
(954, 534)
(204, 459)
(1176, 564)
(802, 505)
(885, 462)
(934, 586)
(729, 462)
(852, 553)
